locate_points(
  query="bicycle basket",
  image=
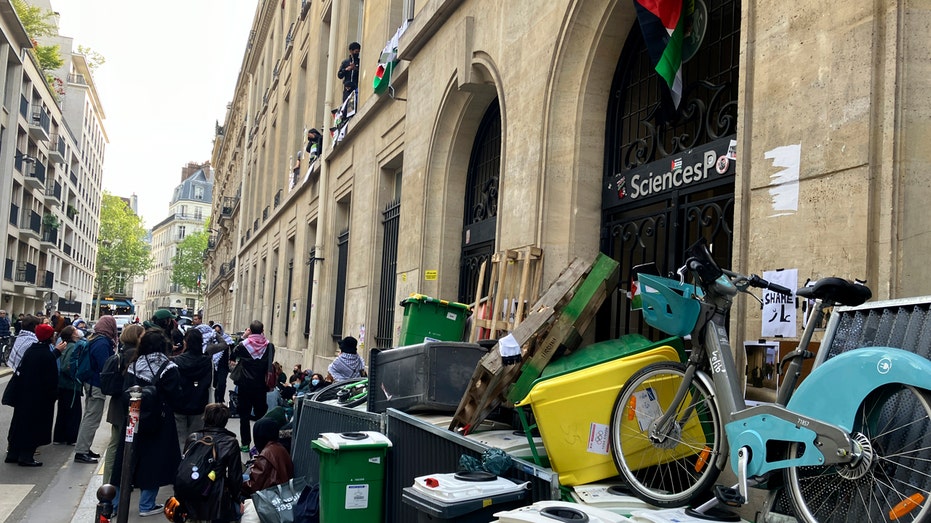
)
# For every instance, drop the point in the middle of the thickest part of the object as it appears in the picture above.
(668, 305)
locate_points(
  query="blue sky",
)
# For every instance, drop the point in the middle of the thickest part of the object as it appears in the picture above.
(171, 68)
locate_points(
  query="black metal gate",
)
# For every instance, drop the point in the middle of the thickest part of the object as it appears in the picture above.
(481, 203)
(646, 135)
(389, 274)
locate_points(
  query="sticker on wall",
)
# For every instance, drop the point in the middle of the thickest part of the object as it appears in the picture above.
(784, 192)
(430, 275)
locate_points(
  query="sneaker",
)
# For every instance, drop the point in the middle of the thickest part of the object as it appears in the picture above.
(244, 448)
(157, 509)
(84, 458)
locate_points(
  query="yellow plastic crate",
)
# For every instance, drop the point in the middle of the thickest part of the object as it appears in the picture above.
(573, 413)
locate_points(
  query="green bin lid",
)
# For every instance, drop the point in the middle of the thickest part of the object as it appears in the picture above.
(422, 299)
(605, 351)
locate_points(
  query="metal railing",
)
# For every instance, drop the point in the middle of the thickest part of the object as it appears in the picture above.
(25, 273)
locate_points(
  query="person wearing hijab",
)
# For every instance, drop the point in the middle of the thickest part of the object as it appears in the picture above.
(33, 399)
(348, 364)
(100, 346)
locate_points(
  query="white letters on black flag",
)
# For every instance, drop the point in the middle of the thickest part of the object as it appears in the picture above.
(779, 317)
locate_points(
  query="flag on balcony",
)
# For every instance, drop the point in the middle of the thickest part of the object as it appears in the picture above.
(663, 24)
(387, 61)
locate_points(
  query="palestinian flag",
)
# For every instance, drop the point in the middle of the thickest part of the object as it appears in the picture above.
(663, 24)
(387, 61)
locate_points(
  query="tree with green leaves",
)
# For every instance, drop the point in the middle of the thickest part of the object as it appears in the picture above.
(122, 252)
(93, 58)
(188, 263)
(39, 22)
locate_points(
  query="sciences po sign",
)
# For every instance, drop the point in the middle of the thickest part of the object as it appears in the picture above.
(686, 169)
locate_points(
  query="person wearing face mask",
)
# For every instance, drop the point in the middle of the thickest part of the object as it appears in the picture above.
(315, 382)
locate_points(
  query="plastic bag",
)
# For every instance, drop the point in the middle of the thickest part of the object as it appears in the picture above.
(276, 504)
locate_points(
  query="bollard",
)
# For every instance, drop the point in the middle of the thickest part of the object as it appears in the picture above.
(126, 480)
(105, 495)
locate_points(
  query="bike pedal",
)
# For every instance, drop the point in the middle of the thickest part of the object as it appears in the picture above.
(729, 496)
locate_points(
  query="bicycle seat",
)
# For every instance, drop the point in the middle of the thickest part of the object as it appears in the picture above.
(837, 290)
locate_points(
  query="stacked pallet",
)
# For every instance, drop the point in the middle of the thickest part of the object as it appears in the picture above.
(554, 325)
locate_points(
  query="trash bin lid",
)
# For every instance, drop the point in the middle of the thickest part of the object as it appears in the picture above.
(343, 440)
(460, 486)
(559, 511)
(422, 298)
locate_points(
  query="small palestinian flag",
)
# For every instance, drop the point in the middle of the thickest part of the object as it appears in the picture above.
(387, 61)
(636, 302)
(663, 24)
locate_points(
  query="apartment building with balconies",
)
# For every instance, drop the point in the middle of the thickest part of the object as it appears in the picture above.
(52, 164)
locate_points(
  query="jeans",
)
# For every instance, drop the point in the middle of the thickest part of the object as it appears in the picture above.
(147, 499)
(94, 400)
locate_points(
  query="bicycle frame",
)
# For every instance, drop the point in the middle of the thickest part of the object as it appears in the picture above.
(753, 427)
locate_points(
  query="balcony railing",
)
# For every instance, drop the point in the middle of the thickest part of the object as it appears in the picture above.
(74, 177)
(46, 280)
(77, 79)
(66, 247)
(25, 273)
(56, 149)
(50, 236)
(212, 242)
(40, 123)
(33, 173)
(53, 194)
(305, 7)
(24, 107)
(32, 223)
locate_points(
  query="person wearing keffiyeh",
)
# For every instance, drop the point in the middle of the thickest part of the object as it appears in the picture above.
(348, 364)
(253, 354)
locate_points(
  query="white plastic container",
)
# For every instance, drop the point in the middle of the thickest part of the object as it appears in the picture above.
(559, 512)
(609, 497)
(454, 487)
(342, 440)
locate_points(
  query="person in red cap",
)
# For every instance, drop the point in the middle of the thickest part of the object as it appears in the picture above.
(32, 399)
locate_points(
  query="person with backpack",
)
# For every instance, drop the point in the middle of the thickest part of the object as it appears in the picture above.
(156, 453)
(68, 417)
(113, 386)
(196, 370)
(211, 451)
(253, 357)
(88, 364)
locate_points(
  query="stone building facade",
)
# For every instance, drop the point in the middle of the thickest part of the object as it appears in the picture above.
(797, 144)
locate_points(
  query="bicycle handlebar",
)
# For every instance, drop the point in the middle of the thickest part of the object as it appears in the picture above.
(756, 281)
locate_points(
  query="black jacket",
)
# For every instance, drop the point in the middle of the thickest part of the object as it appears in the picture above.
(350, 78)
(221, 504)
(196, 376)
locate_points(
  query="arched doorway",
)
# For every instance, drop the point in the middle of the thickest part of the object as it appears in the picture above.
(481, 202)
(665, 183)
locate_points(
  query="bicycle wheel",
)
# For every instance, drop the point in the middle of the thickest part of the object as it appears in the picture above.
(892, 478)
(673, 469)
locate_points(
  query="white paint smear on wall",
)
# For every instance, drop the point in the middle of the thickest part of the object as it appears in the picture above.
(785, 190)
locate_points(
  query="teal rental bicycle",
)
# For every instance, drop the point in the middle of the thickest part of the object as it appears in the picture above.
(851, 443)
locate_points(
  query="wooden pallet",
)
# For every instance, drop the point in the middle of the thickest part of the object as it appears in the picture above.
(557, 320)
(514, 280)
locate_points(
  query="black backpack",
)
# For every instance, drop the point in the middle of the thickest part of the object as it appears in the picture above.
(111, 376)
(199, 472)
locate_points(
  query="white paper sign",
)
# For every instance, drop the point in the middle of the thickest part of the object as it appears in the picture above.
(357, 497)
(779, 315)
(598, 439)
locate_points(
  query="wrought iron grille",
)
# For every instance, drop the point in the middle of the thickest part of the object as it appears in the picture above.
(342, 260)
(642, 127)
(389, 261)
(287, 312)
(481, 204)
